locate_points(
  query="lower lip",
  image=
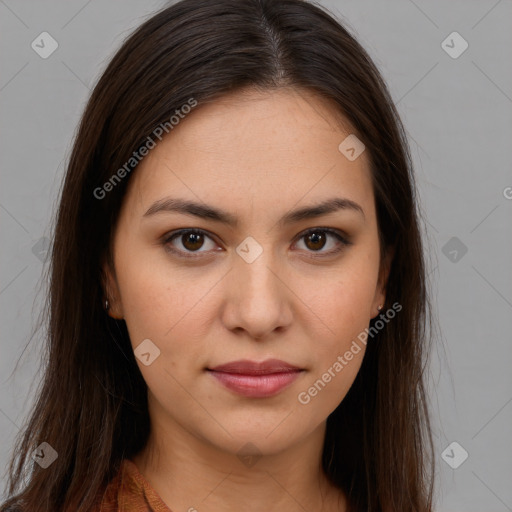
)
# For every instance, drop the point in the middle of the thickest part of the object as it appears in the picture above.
(256, 386)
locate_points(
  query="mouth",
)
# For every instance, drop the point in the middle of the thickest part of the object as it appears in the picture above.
(256, 379)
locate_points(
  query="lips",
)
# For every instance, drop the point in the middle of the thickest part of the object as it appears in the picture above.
(256, 379)
(246, 367)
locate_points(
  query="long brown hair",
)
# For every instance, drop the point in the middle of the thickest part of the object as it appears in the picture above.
(92, 403)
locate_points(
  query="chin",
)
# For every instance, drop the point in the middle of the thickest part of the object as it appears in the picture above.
(265, 437)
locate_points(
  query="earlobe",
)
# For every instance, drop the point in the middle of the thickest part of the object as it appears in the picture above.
(110, 311)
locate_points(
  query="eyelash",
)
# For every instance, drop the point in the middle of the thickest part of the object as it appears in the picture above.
(175, 234)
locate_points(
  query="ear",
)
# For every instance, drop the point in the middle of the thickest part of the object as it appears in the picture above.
(385, 267)
(111, 290)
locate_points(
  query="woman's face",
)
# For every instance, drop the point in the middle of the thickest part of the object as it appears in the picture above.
(256, 288)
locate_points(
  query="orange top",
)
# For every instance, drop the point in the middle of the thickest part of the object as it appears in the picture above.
(129, 491)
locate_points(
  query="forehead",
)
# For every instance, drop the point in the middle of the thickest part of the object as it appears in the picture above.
(263, 148)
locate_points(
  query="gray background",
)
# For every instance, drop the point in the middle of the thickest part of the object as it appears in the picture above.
(457, 112)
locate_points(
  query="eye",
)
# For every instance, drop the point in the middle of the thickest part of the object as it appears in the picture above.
(317, 238)
(186, 242)
(190, 240)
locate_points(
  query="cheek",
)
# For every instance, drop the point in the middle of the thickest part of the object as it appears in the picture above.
(165, 304)
(342, 302)
(336, 360)
(341, 299)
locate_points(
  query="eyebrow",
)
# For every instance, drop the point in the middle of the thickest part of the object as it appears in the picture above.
(205, 211)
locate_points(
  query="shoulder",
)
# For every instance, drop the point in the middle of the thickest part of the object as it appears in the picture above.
(109, 501)
(130, 491)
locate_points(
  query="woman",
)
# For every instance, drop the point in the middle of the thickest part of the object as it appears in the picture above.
(238, 295)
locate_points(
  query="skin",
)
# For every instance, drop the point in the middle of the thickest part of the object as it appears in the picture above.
(257, 155)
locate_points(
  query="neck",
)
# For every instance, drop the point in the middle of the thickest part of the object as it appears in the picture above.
(191, 474)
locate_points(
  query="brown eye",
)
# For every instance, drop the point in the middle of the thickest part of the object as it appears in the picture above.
(186, 242)
(315, 240)
(189, 243)
(192, 241)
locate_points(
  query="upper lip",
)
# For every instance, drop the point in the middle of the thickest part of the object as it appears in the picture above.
(246, 367)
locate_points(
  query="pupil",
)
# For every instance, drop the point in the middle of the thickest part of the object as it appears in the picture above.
(196, 241)
(316, 238)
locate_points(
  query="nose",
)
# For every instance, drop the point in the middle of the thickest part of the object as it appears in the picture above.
(258, 297)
